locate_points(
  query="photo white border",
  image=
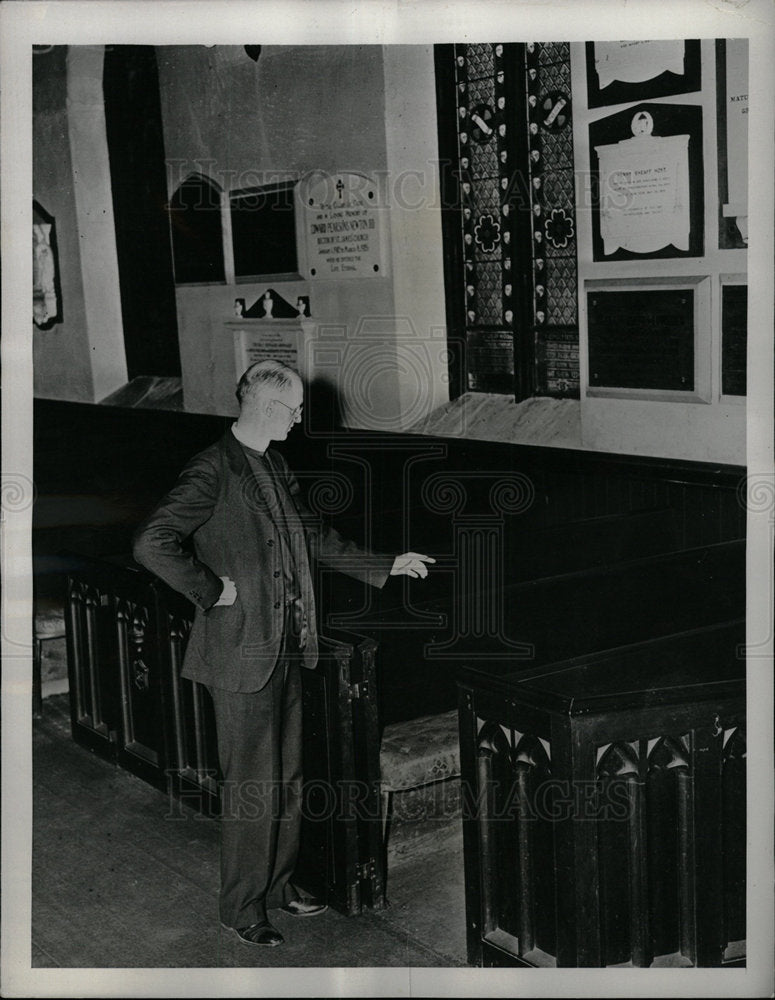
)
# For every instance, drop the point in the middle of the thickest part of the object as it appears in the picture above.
(337, 22)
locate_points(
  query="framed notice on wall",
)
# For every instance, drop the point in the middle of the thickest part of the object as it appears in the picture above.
(263, 227)
(624, 71)
(734, 330)
(641, 338)
(732, 131)
(647, 176)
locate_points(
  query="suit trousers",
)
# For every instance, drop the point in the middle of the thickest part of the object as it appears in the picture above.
(260, 755)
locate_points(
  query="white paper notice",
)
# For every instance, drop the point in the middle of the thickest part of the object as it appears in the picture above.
(737, 127)
(634, 62)
(644, 194)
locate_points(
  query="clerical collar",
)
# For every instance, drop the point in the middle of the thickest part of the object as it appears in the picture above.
(245, 445)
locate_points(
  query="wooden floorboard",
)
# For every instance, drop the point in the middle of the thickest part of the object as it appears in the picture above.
(442, 922)
(117, 883)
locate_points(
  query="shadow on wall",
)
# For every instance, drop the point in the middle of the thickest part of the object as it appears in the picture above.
(323, 407)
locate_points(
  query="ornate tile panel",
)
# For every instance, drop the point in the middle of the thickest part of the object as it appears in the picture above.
(490, 202)
(554, 52)
(480, 60)
(553, 204)
(561, 292)
(482, 123)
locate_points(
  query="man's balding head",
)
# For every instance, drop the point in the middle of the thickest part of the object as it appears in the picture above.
(269, 374)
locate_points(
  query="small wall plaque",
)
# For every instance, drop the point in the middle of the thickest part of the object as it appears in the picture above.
(642, 339)
(285, 340)
(343, 225)
(647, 173)
(734, 328)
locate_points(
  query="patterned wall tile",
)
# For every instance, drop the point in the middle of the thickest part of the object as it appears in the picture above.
(561, 292)
(489, 292)
(555, 77)
(481, 60)
(486, 197)
(557, 150)
(555, 282)
(483, 160)
(481, 92)
(558, 188)
(553, 52)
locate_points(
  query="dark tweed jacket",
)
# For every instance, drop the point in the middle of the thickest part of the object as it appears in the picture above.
(234, 519)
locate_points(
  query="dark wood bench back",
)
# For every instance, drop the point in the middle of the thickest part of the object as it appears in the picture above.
(539, 621)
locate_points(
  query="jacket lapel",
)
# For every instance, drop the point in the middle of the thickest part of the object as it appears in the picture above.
(258, 489)
(292, 522)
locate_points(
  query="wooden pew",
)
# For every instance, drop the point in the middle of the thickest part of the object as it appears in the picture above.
(126, 635)
(127, 632)
(530, 622)
(604, 806)
(422, 643)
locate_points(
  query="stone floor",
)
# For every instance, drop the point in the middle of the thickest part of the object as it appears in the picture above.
(117, 885)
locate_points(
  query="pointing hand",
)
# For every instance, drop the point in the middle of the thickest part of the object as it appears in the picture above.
(411, 564)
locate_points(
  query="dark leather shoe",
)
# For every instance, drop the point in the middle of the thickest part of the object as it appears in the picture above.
(304, 907)
(261, 934)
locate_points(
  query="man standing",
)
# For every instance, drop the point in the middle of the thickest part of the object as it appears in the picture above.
(249, 577)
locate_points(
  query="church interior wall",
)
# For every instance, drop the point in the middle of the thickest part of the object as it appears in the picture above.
(53, 190)
(368, 110)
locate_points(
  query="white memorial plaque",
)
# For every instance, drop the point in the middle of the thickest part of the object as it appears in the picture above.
(644, 190)
(737, 133)
(636, 62)
(343, 227)
(283, 340)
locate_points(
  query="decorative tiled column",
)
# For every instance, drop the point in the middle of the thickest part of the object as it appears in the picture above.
(553, 204)
(498, 181)
(483, 151)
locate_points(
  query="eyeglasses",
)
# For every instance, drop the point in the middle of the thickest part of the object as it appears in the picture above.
(295, 410)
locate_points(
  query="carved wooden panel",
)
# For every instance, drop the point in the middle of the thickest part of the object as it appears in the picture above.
(92, 704)
(515, 803)
(733, 792)
(194, 752)
(127, 636)
(135, 627)
(615, 836)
